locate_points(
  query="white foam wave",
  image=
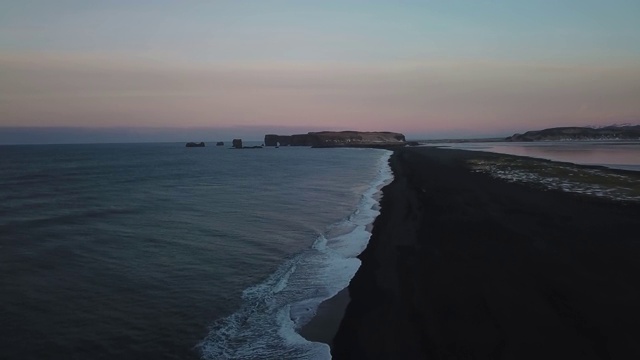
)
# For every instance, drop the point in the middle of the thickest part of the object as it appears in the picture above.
(320, 243)
(265, 325)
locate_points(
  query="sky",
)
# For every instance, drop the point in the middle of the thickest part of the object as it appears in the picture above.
(83, 71)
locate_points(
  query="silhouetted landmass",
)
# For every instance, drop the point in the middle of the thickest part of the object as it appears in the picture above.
(469, 140)
(195, 144)
(614, 132)
(337, 139)
(236, 143)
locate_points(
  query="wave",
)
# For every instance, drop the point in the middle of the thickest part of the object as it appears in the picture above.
(271, 312)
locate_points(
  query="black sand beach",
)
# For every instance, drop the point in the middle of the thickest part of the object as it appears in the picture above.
(464, 266)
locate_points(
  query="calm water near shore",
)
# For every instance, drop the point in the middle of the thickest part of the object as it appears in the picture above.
(613, 154)
(157, 251)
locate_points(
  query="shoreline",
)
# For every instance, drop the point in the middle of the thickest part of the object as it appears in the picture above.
(324, 325)
(461, 264)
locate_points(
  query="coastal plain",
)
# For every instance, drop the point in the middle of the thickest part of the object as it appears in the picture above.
(464, 265)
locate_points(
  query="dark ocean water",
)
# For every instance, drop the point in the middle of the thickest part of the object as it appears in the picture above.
(156, 251)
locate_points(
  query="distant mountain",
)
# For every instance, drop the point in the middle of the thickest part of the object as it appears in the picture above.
(614, 132)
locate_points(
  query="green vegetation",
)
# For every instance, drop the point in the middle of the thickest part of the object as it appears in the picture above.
(596, 181)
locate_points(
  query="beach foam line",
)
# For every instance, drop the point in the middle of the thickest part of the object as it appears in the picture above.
(271, 312)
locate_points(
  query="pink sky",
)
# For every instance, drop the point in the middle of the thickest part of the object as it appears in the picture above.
(413, 97)
(425, 68)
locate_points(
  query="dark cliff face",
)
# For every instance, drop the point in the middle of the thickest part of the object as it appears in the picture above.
(580, 133)
(237, 143)
(195, 144)
(287, 140)
(336, 139)
(301, 140)
(354, 138)
(277, 140)
(271, 140)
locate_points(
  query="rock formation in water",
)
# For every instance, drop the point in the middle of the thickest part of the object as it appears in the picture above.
(220, 143)
(276, 140)
(237, 144)
(337, 139)
(614, 132)
(195, 144)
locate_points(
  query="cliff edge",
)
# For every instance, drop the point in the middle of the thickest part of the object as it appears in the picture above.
(614, 132)
(338, 139)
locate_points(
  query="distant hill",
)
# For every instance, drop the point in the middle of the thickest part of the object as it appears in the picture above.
(614, 132)
(338, 139)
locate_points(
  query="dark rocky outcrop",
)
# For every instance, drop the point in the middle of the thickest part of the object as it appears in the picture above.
(337, 139)
(220, 143)
(356, 139)
(301, 140)
(614, 132)
(195, 144)
(287, 140)
(276, 140)
(237, 144)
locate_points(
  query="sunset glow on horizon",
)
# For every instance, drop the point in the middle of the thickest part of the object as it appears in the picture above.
(421, 68)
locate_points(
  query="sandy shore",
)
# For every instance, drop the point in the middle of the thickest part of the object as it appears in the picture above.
(324, 326)
(462, 265)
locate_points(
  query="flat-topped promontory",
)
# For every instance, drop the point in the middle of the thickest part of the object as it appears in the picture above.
(338, 139)
(613, 132)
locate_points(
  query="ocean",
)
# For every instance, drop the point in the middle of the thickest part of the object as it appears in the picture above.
(157, 251)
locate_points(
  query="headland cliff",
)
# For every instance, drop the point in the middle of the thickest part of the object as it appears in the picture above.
(614, 132)
(338, 139)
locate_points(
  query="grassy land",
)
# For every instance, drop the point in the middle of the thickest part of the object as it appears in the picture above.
(596, 181)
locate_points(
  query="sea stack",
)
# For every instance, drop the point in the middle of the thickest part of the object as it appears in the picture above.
(237, 143)
(195, 144)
